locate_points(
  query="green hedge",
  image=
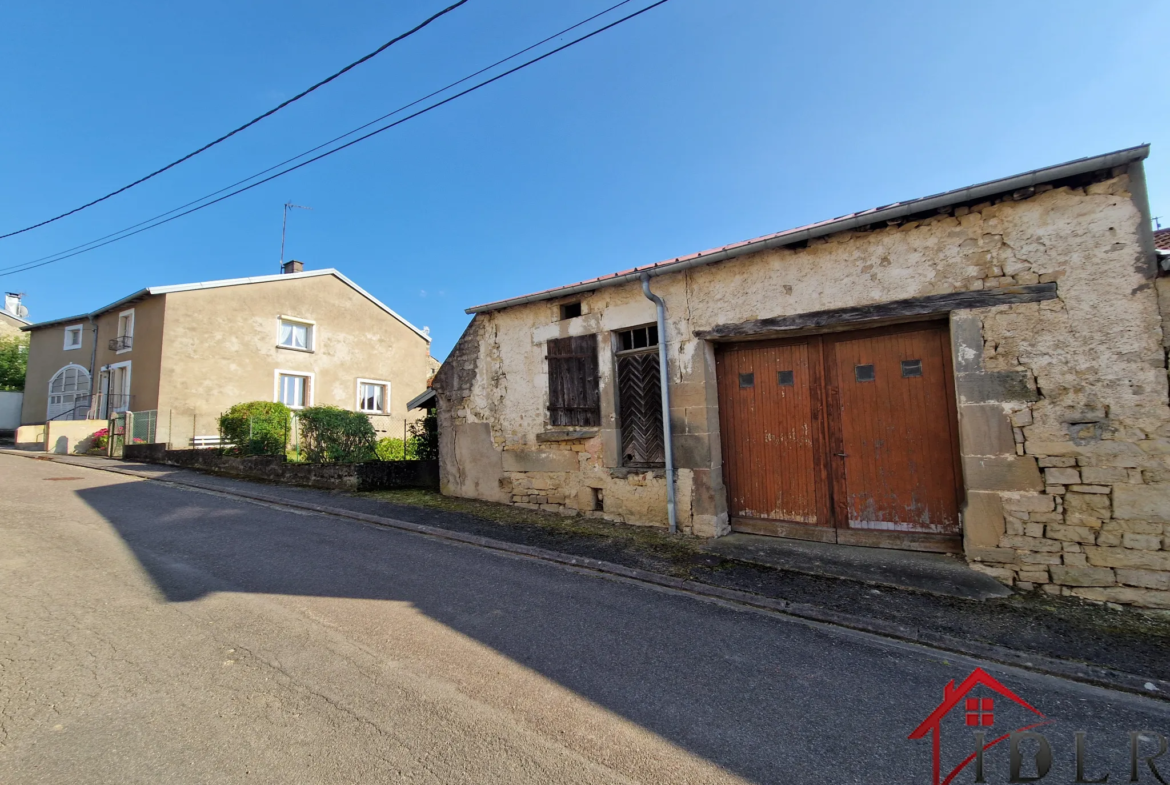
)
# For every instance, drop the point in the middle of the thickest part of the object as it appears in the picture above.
(390, 449)
(329, 434)
(256, 427)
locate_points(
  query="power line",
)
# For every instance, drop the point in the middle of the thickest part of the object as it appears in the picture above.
(323, 144)
(486, 82)
(248, 124)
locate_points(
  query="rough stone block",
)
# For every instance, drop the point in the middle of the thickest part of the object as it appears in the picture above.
(1102, 475)
(1035, 544)
(983, 521)
(1083, 576)
(1006, 473)
(1022, 418)
(1029, 503)
(1034, 576)
(1087, 502)
(984, 429)
(540, 461)
(1146, 579)
(995, 555)
(1141, 542)
(1127, 558)
(1028, 557)
(1083, 534)
(692, 451)
(1142, 502)
(1058, 476)
(993, 386)
(967, 340)
(1053, 461)
(1098, 489)
(1125, 595)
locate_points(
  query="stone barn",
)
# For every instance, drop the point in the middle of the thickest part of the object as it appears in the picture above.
(982, 372)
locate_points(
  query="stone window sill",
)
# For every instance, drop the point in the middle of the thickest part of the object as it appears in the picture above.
(567, 436)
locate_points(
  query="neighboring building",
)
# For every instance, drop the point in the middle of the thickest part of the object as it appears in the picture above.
(191, 351)
(982, 371)
(12, 317)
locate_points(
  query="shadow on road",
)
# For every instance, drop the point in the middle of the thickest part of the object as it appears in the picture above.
(759, 697)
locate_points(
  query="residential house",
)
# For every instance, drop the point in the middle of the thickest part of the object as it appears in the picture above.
(191, 351)
(12, 317)
(982, 371)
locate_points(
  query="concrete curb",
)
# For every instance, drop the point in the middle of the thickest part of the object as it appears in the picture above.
(1067, 669)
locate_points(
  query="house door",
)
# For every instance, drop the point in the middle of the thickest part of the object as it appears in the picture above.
(849, 437)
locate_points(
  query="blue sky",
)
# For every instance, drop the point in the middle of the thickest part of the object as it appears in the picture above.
(697, 124)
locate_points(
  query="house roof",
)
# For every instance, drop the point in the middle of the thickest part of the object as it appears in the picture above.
(188, 287)
(843, 223)
(421, 400)
(1162, 239)
(13, 317)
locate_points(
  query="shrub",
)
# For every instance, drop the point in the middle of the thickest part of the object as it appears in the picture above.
(13, 361)
(390, 449)
(423, 444)
(256, 427)
(330, 434)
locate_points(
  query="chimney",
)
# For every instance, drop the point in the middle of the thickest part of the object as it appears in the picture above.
(293, 266)
(12, 303)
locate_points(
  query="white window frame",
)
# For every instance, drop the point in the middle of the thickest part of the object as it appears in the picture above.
(304, 375)
(129, 333)
(49, 413)
(311, 333)
(385, 396)
(80, 328)
(109, 369)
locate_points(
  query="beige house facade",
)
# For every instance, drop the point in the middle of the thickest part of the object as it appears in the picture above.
(980, 372)
(12, 319)
(189, 352)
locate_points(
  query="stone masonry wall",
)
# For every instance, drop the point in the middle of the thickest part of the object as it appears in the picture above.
(1064, 412)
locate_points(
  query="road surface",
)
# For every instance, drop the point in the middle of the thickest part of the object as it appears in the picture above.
(151, 633)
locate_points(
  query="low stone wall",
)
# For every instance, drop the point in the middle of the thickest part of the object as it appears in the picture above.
(369, 476)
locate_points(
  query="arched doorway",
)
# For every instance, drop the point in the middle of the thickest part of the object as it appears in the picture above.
(68, 388)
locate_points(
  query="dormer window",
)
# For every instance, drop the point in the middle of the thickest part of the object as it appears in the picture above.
(295, 334)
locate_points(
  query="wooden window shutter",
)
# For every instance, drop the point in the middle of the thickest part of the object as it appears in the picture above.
(574, 395)
(640, 407)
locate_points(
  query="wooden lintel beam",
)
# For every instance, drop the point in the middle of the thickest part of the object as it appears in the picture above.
(932, 304)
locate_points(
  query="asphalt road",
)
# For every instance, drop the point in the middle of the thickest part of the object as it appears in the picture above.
(150, 634)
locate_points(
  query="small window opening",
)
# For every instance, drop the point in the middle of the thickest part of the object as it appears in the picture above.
(785, 378)
(638, 338)
(863, 373)
(570, 310)
(747, 380)
(911, 368)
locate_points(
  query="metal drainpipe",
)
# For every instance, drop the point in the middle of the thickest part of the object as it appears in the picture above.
(664, 380)
(92, 362)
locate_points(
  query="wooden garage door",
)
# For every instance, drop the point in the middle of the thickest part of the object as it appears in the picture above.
(849, 437)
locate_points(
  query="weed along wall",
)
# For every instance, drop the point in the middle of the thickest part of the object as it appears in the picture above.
(1054, 326)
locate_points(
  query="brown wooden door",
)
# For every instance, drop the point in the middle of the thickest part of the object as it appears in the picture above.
(773, 418)
(849, 437)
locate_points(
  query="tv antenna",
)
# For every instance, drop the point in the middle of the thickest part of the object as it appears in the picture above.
(284, 226)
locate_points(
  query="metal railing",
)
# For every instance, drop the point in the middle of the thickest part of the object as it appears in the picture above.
(121, 342)
(105, 405)
(79, 411)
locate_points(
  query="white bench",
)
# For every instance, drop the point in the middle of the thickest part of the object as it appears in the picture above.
(208, 442)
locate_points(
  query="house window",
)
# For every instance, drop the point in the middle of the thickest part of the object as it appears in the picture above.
(373, 396)
(979, 711)
(570, 311)
(125, 339)
(73, 337)
(786, 378)
(640, 397)
(294, 390)
(911, 368)
(68, 390)
(295, 334)
(574, 397)
(864, 373)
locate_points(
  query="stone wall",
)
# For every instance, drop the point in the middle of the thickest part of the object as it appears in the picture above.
(1063, 403)
(368, 476)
